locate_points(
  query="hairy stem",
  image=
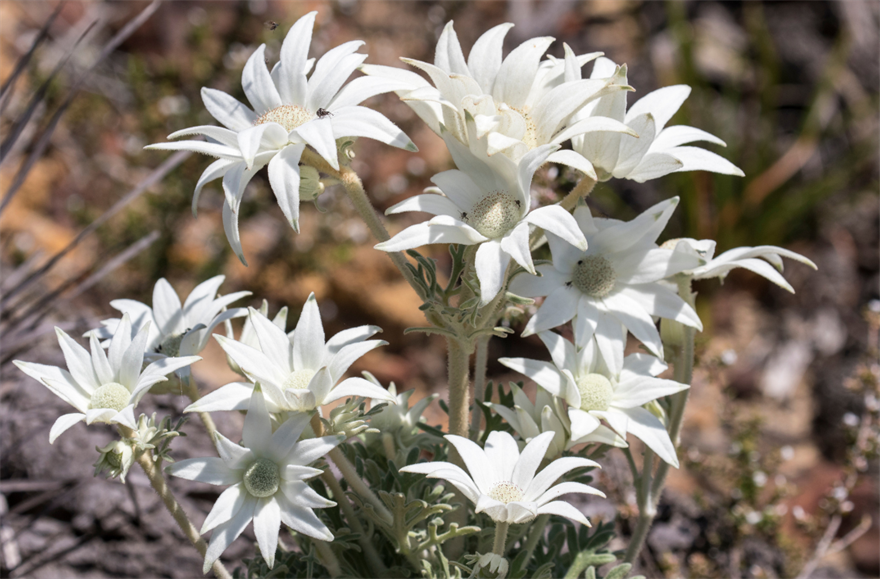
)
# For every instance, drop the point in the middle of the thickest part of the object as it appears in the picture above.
(459, 380)
(328, 559)
(192, 392)
(582, 189)
(500, 538)
(161, 487)
(683, 373)
(479, 384)
(358, 196)
(377, 567)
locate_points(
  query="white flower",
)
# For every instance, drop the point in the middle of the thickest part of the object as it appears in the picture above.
(398, 417)
(519, 103)
(594, 392)
(749, 258)
(547, 415)
(657, 151)
(289, 113)
(175, 329)
(103, 386)
(249, 335)
(503, 483)
(613, 286)
(487, 203)
(266, 474)
(296, 371)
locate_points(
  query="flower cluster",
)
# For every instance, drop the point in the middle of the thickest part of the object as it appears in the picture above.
(501, 119)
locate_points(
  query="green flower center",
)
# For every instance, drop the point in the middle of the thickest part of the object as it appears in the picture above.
(261, 479)
(299, 379)
(506, 492)
(596, 392)
(495, 214)
(594, 276)
(170, 346)
(111, 395)
(288, 116)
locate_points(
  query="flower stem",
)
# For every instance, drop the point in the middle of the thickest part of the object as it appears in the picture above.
(354, 187)
(683, 373)
(192, 392)
(479, 384)
(349, 473)
(459, 380)
(328, 559)
(159, 485)
(377, 567)
(582, 189)
(500, 538)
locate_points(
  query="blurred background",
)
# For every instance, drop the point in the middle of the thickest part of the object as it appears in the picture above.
(783, 407)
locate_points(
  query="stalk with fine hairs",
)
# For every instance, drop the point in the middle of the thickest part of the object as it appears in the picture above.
(649, 497)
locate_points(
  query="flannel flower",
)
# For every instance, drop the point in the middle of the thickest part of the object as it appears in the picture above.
(614, 286)
(547, 415)
(502, 482)
(519, 103)
(175, 329)
(750, 258)
(595, 392)
(103, 386)
(658, 150)
(296, 371)
(267, 474)
(290, 111)
(485, 202)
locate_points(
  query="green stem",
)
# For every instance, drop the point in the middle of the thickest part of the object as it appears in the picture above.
(157, 481)
(500, 538)
(328, 559)
(459, 381)
(349, 473)
(480, 365)
(377, 567)
(538, 528)
(683, 373)
(192, 392)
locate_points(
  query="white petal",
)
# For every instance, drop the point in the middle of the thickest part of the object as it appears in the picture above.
(358, 387)
(308, 342)
(232, 396)
(167, 309)
(331, 72)
(264, 136)
(215, 170)
(430, 232)
(517, 72)
(475, 460)
(654, 165)
(575, 160)
(225, 534)
(566, 488)
(562, 351)
(347, 355)
(257, 83)
(207, 470)
(697, 159)
(318, 134)
(205, 148)
(639, 232)
(551, 473)
(631, 314)
(484, 61)
(364, 87)
(648, 428)
(257, 432)
(59, 382)
(545, 374)
(558, 221)
(661, 103)
(433, 204)
(227, 110)
(459, 187)
(503, 453)
(286, 436)
(530, 459)
(253, 362)
(267, 523)
(516, 244)
(78, 359)
(563, 509)
(225, 507)
(308, 451)
(633, 149)
(303, 520)
(643, 389)
(235, 456)
(681, 135)
(273, 341)
(582, 423)
(533, 286)
(662, 302)
(363, 122)
(64, 422)
(559, 307)
(491, 263)
(294, 54)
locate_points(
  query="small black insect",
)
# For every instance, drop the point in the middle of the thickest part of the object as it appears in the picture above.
(324, 113)
(580, 261)
(568, 284)
(518, 203)
(463, 215)
(270, 24)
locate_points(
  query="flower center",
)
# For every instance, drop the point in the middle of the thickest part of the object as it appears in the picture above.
(594, 276)
(261, 479)
(506, 492)
(111, 395)
(596, 392)
(299, 379)
(288, 116)
(530, 138)
(495, 214)
(170, 346)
